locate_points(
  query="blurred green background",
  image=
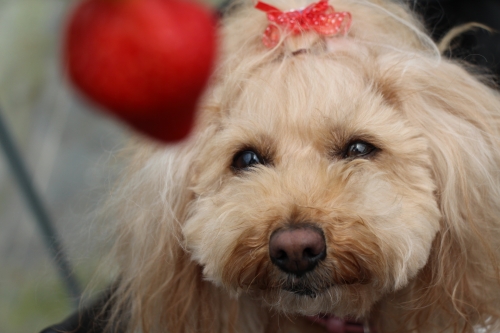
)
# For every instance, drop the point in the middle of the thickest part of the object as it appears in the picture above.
(68, 148)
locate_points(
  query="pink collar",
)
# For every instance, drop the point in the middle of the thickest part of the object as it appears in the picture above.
(336, 325)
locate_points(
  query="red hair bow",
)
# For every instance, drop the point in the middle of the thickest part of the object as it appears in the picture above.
(319, 16)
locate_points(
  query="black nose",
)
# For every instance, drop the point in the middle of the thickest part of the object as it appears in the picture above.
(297, 250)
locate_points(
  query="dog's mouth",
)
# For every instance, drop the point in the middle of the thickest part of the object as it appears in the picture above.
(303, 291)
(305, 286)
(310, 286)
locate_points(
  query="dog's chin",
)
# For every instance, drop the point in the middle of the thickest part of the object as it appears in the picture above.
(301, 300)
(346, 300)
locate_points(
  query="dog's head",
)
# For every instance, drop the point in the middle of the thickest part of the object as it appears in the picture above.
(325, 175)
(314, 192)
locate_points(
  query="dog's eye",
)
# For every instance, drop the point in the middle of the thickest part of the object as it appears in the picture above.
(359, 149)
(245, 159)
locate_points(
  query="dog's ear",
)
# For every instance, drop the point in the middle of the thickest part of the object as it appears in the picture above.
(159, 287)
(460, 118)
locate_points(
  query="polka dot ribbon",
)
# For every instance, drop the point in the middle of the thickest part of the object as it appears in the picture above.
(319, 17)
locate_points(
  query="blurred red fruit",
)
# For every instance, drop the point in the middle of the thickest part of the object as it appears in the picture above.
(144, 61)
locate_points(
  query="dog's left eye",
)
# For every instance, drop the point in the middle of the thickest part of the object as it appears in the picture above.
(359, 149)
(245, 159)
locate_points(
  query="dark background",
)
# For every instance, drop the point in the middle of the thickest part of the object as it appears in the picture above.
(478, 47)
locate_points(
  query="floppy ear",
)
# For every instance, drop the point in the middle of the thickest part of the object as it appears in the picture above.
(159, 287)
(460, 117)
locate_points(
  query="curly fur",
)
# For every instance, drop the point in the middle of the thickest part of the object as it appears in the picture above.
(412, 232)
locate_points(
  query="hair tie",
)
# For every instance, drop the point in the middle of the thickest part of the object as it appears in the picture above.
(319, 16)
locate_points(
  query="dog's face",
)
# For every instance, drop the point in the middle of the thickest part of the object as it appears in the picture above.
(315, 193)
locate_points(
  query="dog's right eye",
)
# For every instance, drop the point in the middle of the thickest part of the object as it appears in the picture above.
(359, 149)
(246, 159)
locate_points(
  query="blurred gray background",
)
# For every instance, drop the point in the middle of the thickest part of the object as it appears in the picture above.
(69, 149)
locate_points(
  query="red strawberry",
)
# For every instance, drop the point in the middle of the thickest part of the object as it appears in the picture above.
(145, 61)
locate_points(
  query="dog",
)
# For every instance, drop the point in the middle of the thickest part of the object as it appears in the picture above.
(348, 176)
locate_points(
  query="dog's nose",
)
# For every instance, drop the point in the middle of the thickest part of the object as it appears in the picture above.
(297, 250)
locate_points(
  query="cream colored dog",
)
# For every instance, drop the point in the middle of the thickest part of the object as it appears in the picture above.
(354, 175)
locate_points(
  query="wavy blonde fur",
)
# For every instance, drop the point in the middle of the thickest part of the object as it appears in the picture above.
(420, 219)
